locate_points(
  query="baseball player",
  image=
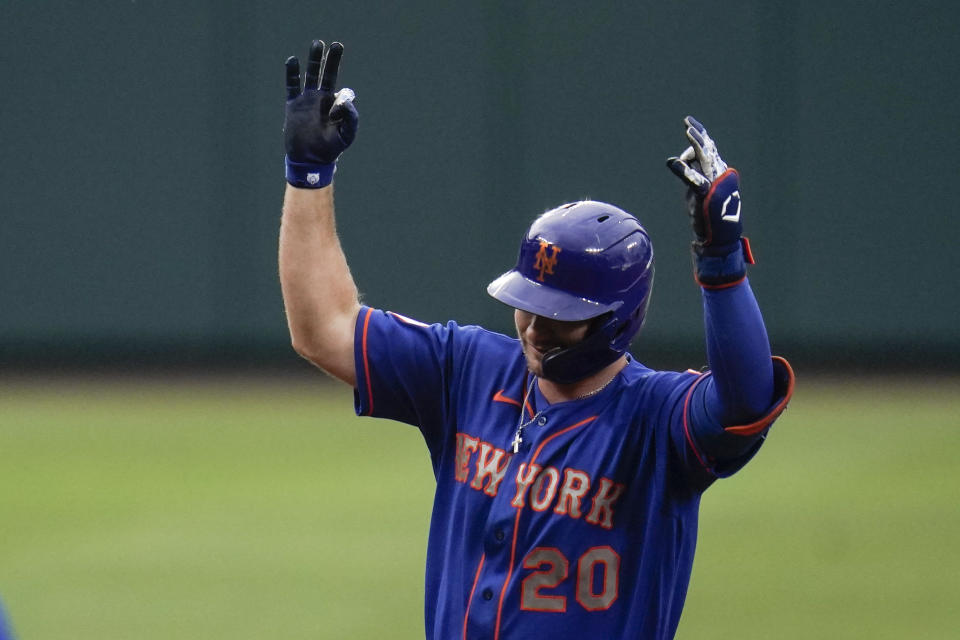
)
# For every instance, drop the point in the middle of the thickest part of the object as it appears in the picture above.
(568, 474)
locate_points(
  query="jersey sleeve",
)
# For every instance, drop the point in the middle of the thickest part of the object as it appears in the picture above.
(400, 366)
(722, 451)
(411, 372)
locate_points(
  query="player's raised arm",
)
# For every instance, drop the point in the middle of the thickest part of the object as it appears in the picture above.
(319, 294)
(742, 387)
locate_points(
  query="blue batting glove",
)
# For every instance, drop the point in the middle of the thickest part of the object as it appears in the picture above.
(320, 123)
(720, 252)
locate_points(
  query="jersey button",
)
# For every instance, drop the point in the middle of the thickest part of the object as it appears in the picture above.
(499, 535)
(487, 594)
(542, 421)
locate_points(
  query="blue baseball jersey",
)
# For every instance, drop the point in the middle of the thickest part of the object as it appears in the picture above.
(583, 527)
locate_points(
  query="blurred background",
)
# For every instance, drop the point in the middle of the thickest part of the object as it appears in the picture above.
(169, 466)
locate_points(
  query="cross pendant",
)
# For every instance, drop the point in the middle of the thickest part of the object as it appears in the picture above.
(516, 442)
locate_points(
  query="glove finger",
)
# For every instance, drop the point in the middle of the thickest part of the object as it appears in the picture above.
(314, 63)
(695, 138)
(346, 117)
(701, 148)
(689, 175)
(293, 77)
(688, 155)
(344, 95)
(331, 66)
(343, 110)
(676, 165)
(690, 121)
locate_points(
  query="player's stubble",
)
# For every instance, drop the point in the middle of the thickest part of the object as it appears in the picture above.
(539, 335)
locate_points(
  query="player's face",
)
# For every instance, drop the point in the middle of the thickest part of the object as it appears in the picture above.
(538, 335)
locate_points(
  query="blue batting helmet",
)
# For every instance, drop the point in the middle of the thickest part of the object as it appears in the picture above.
(581, 261)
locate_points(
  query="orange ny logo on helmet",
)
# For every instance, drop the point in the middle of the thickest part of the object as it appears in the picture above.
(543, 263)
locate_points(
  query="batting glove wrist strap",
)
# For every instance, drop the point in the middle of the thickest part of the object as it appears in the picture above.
(718, 270)
(309, 176)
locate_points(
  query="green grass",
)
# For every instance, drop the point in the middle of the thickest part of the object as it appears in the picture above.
(264, 509)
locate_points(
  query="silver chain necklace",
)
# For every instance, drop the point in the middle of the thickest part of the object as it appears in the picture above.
(598, 389)
(518, 436)
(521, 425)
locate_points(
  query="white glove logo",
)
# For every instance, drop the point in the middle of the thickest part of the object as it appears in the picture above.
(314, 178)
(735, 216)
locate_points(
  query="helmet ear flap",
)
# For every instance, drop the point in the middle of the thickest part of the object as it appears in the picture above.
(625, 326)
(597, 324)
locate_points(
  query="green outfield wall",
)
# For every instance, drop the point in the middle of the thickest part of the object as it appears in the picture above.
(142, 168)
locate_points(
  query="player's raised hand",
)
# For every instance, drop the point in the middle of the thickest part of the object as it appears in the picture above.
(713, 202)
(320, 122)
(700, 164)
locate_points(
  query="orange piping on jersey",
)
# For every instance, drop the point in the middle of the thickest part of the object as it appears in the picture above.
(366, 362)
(686, 423)
(516, 523)
(756, 427)
(473, 589)
(499, 397)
